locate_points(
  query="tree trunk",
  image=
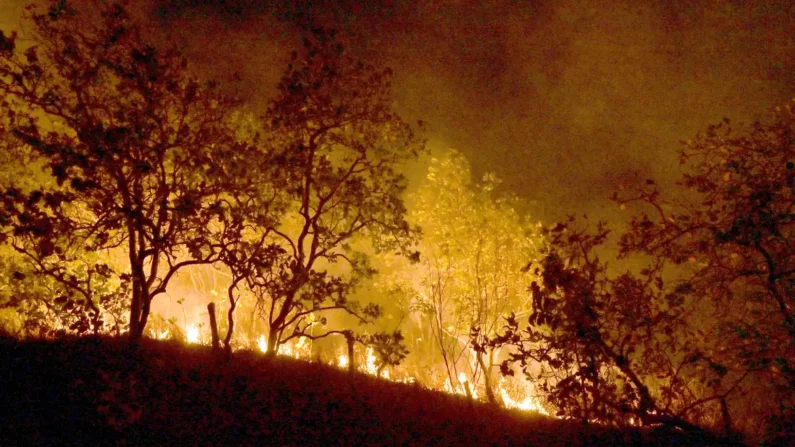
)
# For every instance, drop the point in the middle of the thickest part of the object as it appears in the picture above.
(139, 309)
(468, 389)
(727, 420)
(273, 340)
(351, 359)
(135, 313)
(213, 326)
(230, 319)
(492, 398)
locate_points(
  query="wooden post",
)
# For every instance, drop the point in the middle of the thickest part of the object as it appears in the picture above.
(351, 358)
(468, 389)
(213, 326)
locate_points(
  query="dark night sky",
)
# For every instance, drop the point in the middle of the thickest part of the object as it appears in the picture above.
(563, 100)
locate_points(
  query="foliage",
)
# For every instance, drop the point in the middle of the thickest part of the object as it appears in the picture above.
(390, 349)
(76, 296)
(335, 148)
(473, 247)
(701, 334)
(732, 237)
(137, 148)
(606, 347)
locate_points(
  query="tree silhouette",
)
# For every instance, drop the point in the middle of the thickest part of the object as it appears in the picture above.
(698, 332)
(731, 235)
(334, 149)
(606, 347)
(139, 150)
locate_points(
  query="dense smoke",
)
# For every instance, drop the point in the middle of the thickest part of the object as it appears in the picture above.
(561, 100)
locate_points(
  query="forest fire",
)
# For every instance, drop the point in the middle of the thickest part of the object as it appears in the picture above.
(319, 220)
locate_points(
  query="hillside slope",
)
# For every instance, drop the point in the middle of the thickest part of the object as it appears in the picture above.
(89, 392)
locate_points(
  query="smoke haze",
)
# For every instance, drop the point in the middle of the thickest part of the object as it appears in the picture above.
(562, 100)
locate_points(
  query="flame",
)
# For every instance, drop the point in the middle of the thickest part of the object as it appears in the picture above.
(262, 343)
(161, 335)
(301, 349)
(526, 404)
(460, 387)
(529, 403)
(369, 364)
(192, 333)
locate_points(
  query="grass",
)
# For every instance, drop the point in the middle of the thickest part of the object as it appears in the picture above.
(108, 392)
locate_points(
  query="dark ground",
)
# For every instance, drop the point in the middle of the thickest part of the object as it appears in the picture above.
(108, 392)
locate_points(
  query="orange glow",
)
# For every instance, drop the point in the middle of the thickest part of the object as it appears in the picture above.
(528, 403)
(301, 349)
(262, 343)
(192, 334)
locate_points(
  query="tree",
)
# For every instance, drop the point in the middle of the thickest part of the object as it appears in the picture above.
(697, 333)
(606, 347)
(335, 148)
(140, 152)
(731, 234)
(474, 247)
(389, 348)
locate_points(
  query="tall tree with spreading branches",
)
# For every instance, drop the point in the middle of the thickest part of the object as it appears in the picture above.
(336, 148)
(139, 151)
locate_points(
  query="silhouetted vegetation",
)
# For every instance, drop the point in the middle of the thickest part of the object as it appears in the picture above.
(120, 170)
(107, 391)
(699, 333)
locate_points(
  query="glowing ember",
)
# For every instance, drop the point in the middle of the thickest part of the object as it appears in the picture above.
(192, 333)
